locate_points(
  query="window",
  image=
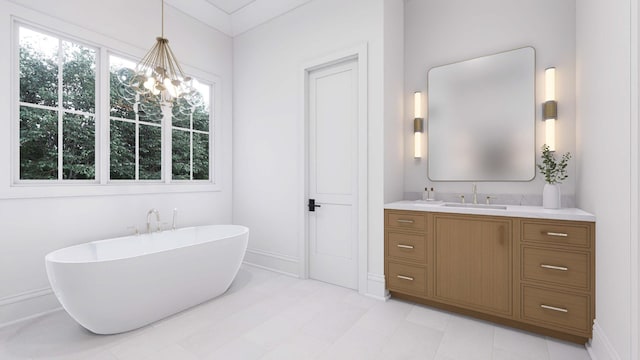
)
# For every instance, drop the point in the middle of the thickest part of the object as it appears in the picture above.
(135, 128)
(66, 134)
(190, 136)
(57, 108)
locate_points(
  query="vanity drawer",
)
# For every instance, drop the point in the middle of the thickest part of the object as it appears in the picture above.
(550, 308)
(556, 267)
(406, 278)
(406, 220)
(556, 233)
(404, 246)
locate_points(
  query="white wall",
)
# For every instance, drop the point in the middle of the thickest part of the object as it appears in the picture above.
(443, 32)
(268, 101)
(604, 164)
(33, 227)
(393, 100)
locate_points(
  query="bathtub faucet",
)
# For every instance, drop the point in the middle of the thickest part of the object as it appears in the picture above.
(153, 211)
(175, 218)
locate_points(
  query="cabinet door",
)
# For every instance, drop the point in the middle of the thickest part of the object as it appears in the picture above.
(473, 266)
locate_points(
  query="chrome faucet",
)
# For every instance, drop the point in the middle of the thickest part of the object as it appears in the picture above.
(475, 194)
(153, 211)
(175, 218)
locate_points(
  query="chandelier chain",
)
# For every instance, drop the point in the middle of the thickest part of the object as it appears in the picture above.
(162, 22)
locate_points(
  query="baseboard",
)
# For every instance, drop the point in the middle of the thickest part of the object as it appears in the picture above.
(27, 305)
(599, 347)
(279, 263)
(289, 265)
(376, 287)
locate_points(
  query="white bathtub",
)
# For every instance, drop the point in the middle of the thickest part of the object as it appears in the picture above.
(116, 285)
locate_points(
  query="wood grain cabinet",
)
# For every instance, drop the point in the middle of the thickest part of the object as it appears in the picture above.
(473, 262)
(533, 274)
(406, 252)
(557, 275)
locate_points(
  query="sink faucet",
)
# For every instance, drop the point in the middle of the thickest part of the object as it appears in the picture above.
(153, 211)
(475, 193)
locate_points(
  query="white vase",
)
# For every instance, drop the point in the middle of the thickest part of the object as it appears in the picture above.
(551, 196)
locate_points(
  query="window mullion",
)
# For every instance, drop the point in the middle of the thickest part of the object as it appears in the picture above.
(167, 143)
(191, 144)
(137, 177)
(103, 123)
(60, 110)
(16, 119)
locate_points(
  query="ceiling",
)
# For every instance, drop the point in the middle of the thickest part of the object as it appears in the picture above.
(230, 6)
(233, 17)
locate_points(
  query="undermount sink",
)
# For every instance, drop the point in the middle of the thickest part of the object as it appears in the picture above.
(476, 206)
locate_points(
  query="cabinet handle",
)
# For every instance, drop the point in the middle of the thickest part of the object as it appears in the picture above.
(554, 308)
(405, 221)
(405, 246)
(552, 267)
(549, 233)
(404, 277)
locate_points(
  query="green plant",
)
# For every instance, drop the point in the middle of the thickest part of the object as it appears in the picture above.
(554, 172)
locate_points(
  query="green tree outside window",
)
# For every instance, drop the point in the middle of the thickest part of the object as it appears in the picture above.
(57, 110)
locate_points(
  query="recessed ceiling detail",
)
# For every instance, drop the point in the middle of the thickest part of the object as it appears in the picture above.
(233, 17)
(230, 6)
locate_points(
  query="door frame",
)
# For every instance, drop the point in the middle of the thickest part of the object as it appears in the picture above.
(359, 54)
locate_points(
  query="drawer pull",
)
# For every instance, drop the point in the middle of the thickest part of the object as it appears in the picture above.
(547, 307)
(405, 246)
(403, 221)
(549, 233)
(404, 277)
(552, 267)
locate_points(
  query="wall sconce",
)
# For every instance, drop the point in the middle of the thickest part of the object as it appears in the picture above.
(418, 125)
(550, 107)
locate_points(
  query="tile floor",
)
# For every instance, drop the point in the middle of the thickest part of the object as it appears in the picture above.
(265, 315)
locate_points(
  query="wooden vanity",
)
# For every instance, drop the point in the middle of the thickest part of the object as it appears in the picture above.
(534, 273)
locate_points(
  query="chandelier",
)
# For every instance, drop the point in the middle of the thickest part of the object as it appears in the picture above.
(159, 74)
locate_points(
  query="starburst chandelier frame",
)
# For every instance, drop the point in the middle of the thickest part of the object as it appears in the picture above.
(159, 73)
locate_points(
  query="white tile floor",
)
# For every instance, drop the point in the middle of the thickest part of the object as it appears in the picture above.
(270, 316)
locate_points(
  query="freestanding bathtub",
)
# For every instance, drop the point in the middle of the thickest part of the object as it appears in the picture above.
(116, 285)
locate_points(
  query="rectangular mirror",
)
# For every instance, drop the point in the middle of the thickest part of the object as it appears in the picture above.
(481, 118)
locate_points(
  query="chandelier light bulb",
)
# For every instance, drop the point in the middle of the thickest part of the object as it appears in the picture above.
(150, 83)
(171, 88)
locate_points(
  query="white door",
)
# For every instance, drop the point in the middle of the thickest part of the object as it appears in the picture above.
(333, 176)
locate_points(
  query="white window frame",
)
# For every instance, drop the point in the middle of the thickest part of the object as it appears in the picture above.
(192, 131)
(167, 128)
(59, 108)
(13, 187)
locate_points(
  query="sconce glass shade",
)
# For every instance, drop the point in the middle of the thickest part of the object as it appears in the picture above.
(417, 143)
(550, 84)
(550, 108)
(418, 125)
(550, 133)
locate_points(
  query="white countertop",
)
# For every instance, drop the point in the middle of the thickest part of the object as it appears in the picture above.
(536, 212)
